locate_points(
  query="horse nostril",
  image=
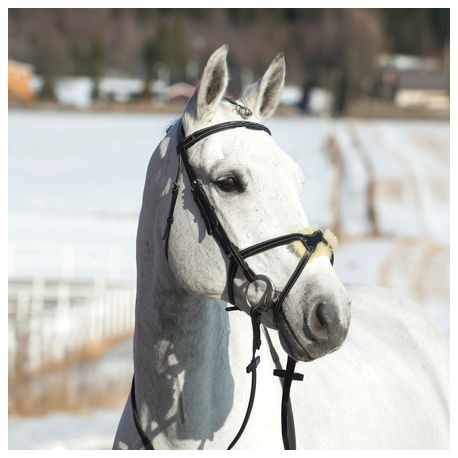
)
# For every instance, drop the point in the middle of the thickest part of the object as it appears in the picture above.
(320, 313)
(319, 322)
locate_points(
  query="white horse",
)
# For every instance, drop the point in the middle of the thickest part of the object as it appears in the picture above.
(386, 386)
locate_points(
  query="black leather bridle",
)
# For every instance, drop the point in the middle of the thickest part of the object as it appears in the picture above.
(271, 299)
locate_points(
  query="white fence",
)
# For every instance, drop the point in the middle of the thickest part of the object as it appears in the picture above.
(52, 319)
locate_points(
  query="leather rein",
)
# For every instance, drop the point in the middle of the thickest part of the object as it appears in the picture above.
(237, 260)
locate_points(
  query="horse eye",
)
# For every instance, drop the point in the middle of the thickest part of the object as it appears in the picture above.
(228, 183)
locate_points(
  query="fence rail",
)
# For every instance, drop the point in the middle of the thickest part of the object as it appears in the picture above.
(70, 260)
(51, 319)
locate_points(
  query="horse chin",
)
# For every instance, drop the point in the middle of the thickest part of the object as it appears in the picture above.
(291, 344)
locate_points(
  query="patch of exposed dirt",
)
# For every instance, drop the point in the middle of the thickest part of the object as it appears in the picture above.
(419, 267)
(98, 377)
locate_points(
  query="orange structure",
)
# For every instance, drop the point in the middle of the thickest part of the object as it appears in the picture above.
(20, 80)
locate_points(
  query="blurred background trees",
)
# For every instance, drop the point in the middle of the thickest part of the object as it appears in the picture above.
(334, 48)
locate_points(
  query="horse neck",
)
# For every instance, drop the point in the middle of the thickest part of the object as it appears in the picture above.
(183, 379)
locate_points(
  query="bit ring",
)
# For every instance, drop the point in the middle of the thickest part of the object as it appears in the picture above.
(267, 298)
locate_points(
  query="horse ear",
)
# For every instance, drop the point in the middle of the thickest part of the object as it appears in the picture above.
(263, 96)
(212, 87)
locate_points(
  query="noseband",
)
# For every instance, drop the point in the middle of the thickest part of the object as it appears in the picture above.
(271, 299)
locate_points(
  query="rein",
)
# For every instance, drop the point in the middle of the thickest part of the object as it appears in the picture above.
(237, 259)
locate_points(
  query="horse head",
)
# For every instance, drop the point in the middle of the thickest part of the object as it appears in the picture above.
(254, 189)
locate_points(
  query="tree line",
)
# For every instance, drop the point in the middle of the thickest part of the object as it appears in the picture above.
(136, 42)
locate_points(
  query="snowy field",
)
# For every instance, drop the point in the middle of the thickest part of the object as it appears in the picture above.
(76, 180)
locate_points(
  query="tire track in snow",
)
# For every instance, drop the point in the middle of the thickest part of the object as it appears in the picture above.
(335, 157)
(371, 212)
(408, 265)
(339, 162)
(413, 178)
(421, 272)
(418, 269)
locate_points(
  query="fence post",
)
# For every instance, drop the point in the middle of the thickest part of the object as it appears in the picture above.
(35, 318)
(50, 320)
(22, 333)
(62, 324)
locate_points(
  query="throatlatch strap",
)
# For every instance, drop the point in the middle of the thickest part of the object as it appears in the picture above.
(141, 432)
(255, 360)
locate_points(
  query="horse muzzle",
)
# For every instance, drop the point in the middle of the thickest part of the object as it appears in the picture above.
(316, 328)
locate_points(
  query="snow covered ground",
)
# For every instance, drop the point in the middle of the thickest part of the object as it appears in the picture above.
(63, 431)
(76, 180)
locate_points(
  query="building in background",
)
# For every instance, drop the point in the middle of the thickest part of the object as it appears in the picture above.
(20, 80)
(414, 82)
